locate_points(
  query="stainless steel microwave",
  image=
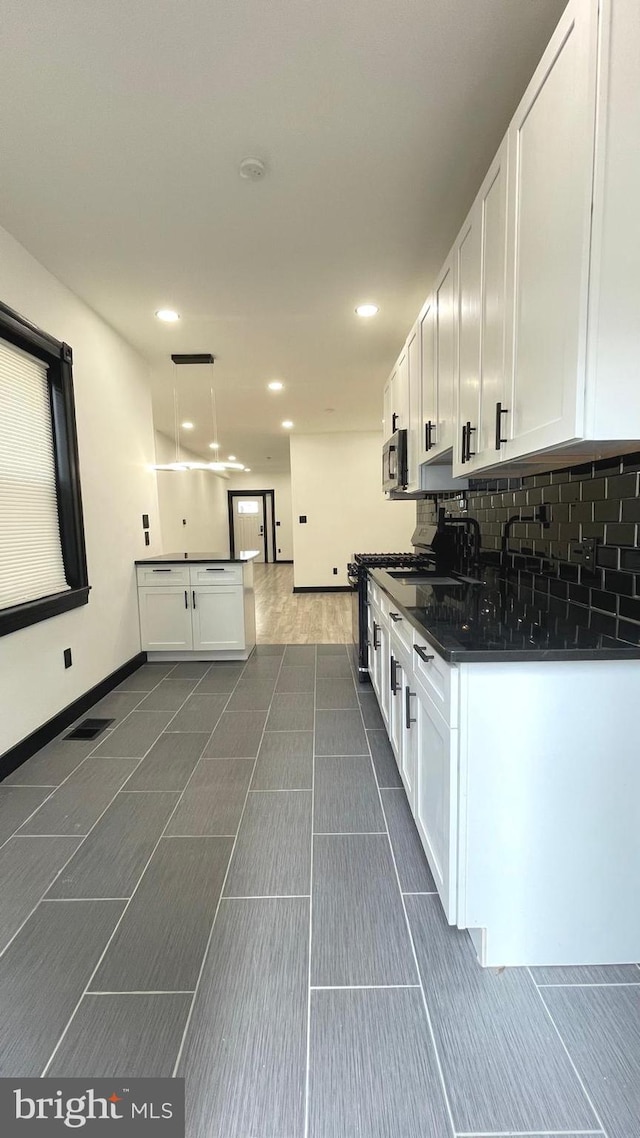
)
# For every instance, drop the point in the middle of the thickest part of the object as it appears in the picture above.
(394, 462)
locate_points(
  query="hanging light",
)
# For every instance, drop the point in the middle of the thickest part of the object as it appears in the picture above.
(181, 464)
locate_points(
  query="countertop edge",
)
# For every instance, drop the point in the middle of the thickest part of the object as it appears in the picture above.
(181, 559)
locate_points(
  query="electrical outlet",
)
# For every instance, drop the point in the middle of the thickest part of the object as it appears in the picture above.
(302, 519)
(184, 521)
(584, 552)
(67, 658)
(146, 537)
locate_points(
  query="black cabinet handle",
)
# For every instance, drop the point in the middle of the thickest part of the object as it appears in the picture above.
(428, 435)
(463, 452)
(470, 431)
(500, 411)
(375, 636)
(395, 617)
(194, 598)
(422, 654)
(160, 570)
(393, 675)
(215, 570)
(186, 599)
(394, 419)
(408, 695)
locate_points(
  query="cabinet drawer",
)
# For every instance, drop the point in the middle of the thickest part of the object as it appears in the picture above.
(436, 677)
(216, 574)
(401, 629)
(163, 574)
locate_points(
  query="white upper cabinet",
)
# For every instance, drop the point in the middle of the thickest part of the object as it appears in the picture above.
(413, 353)
(551, 150)
(531, 338)
(480, 258)
(445, 360)
(468, 263)
(493, 408)
(428, 393)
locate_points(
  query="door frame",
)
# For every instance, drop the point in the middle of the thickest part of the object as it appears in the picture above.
(264, 495)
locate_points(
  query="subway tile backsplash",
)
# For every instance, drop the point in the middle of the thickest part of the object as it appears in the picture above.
(598, 500)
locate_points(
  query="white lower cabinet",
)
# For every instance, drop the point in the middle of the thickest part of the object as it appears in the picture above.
(524, 786)
(212, 621)
(218, 617)
(433, 747)
(165, 618)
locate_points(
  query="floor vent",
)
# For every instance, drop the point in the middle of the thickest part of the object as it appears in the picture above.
(89, 729)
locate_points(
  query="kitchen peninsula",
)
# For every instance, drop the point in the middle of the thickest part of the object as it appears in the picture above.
(197, 606)
(514, 732)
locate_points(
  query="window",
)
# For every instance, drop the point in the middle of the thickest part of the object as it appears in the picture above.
(42, 558)
(248, 507)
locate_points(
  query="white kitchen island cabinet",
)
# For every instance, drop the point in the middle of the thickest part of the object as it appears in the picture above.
(196, 607)
(521, 771)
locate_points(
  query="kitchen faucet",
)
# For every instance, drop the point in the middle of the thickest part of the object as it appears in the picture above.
(472, 558)
(540, 516)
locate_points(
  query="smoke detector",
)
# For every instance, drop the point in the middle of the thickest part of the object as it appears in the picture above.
(253, 169)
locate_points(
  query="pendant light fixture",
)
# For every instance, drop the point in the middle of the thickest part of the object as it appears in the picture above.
(181, 360)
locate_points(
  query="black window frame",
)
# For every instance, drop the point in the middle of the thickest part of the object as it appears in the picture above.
(58, 357)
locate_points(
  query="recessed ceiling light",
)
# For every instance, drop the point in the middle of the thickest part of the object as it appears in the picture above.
(169, 315)
(232, 458)
(367, 310)
(287, 423)
(187, 426)
(215, 446)
(275, 385)
(247, 470)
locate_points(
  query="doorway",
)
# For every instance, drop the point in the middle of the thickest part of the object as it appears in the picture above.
(252, 523)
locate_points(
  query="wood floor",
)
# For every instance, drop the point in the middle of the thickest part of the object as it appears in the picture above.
(285, 617)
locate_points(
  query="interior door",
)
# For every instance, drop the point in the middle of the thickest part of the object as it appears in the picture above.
(248, 525)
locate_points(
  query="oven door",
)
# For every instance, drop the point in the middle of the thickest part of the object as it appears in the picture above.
(394, 462)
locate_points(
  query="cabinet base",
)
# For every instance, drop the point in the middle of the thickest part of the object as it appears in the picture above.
(178, 657)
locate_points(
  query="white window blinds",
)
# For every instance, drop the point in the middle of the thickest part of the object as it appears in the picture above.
(31, 563)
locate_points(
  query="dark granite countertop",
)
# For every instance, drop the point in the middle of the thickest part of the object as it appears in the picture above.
(492, 621)
(198, 558)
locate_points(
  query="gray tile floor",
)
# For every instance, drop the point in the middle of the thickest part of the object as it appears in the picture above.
(229, 886)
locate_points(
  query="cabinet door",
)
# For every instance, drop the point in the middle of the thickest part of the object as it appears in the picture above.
(218, 617)
(437, 798)
(165, 618)
(429, 401)
(384, 653)
(468, 260)
(551, 143)
(401, 392)
(493, 202)
(409, 752)
(375, 665)
(445, 359)
(396, 717)
(387, 409)
(414, 407)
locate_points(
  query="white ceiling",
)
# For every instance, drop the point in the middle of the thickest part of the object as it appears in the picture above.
(122, 125)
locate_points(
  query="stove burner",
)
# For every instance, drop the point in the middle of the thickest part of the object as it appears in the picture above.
(392, 560)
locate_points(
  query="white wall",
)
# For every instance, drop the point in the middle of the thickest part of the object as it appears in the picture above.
(198, 496)
(115, 441)
(336, 482)
(281, 485)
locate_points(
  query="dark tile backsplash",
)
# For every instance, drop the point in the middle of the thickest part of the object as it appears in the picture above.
(598, 500)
